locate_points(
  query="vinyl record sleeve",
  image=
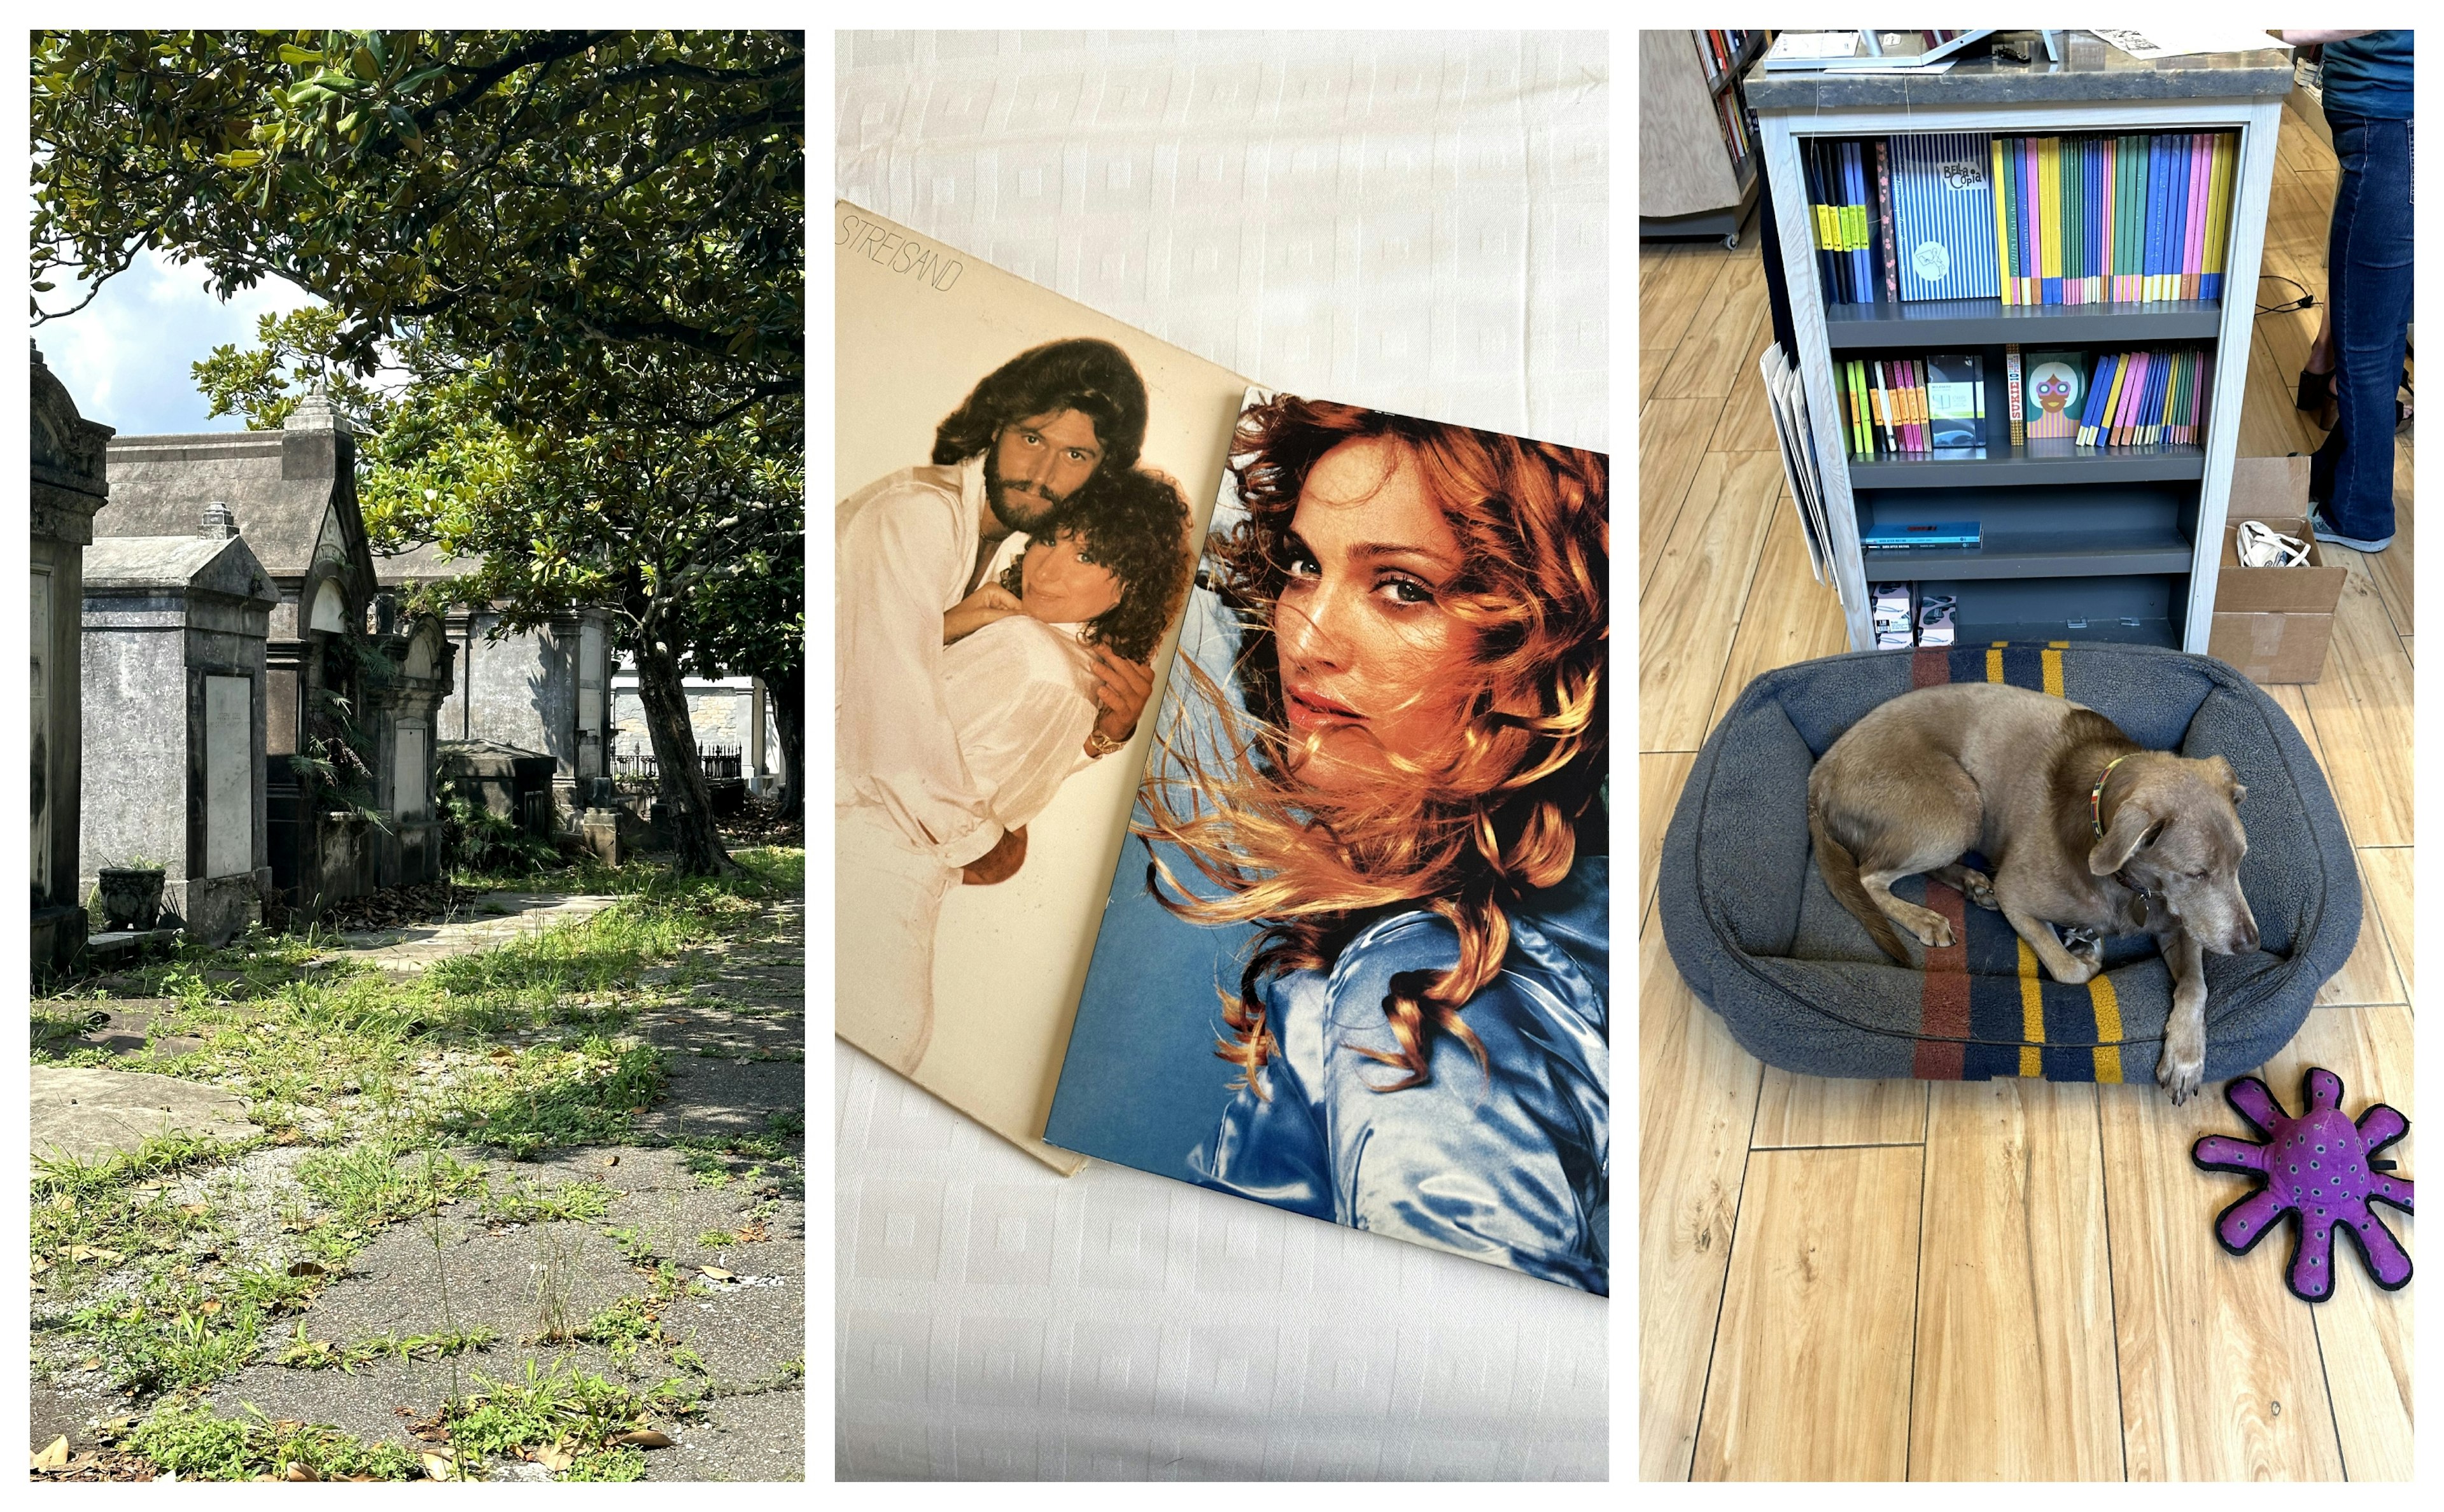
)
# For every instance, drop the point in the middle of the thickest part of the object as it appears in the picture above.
(1322, 637)
(917, 326)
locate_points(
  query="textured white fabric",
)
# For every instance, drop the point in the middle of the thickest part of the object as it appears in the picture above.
(1415, 221)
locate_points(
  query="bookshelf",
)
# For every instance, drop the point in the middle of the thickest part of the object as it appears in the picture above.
(1691, 117)
(2077, 544)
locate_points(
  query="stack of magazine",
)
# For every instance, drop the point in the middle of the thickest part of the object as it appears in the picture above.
(1222, 774)
(1787, 397)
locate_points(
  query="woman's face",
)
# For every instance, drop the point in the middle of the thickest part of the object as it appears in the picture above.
(1059, 586)
(1371, 662)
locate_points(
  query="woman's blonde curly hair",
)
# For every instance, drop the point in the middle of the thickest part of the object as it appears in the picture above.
(1502, 809)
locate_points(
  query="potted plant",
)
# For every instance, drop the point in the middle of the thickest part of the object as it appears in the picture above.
(131, 895)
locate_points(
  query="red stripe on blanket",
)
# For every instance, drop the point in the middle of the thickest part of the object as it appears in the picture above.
(1930, 669)
(1943, 1009)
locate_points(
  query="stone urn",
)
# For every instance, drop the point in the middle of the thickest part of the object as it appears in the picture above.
(131, 896)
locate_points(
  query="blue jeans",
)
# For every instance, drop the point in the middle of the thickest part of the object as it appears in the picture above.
(2367, 290)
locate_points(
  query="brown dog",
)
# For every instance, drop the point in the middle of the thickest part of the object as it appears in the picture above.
(2085, 831)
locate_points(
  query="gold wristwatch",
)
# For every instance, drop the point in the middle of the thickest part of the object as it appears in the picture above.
(1099, 743)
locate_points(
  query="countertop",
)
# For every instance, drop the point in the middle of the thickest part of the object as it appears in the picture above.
(2091, 70)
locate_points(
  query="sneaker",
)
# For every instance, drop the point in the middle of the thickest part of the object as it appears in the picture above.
(2317, 528)
(1935, 620)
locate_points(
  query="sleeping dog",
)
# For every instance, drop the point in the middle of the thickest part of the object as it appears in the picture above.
(2087, 834)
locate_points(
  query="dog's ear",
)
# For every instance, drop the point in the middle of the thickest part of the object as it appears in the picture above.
(2219, 772)
(2133, 826)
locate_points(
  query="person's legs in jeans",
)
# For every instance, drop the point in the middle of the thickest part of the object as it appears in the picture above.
(2368, 282)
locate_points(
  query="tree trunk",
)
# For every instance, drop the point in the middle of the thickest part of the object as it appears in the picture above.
(788, 694)
(687, 801)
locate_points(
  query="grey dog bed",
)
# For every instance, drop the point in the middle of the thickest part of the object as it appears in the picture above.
(1756, 934)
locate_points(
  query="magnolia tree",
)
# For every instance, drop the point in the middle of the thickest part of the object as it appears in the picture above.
(581, 250)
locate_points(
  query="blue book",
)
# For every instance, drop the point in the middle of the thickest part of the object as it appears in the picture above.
(1943, 216)
(1863, 285)
(2098, 385)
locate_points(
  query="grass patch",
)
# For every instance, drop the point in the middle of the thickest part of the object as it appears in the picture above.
(323, 1354)
(195, 1444)
(560, 1405)
(521, 1049)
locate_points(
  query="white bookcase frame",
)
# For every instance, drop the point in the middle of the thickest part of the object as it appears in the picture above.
(2257, 118)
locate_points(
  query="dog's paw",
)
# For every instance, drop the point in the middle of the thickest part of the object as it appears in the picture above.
(1979, 887)
(2180, 1069)
(1934, 931)
(2079, 974)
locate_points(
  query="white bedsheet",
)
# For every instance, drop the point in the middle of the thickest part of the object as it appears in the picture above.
(1415, 221)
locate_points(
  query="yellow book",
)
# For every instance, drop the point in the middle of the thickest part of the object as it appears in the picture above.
(2219, 204)
(2049, 186)
(2002, 231)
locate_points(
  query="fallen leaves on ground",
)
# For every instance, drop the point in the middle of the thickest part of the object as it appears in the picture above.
(55, 1455)
(645, 1438)
(425, 903)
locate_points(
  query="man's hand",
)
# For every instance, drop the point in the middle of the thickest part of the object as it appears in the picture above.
(1121, 688)
(990, 602)
(999, 864)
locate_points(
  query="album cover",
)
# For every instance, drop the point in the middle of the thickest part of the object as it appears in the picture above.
(1022, 484)
(1354, 962)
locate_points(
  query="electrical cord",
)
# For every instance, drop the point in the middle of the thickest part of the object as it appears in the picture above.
(2305, 301)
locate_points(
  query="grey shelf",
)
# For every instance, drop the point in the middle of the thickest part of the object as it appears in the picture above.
(2035, 553)
(2039, 462)
(1990, 322)
(2141, 632)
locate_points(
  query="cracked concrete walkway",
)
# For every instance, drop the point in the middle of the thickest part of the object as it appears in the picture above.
(731, 1022)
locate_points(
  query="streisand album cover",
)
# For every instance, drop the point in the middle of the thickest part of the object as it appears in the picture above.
(1355, 958)
(1023, 484)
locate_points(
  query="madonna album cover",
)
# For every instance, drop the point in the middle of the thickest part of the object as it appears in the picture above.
(1355, 957)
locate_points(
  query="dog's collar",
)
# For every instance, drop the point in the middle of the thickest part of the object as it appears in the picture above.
(2096, 794)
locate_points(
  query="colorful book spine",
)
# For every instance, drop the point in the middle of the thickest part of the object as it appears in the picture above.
(2201, 177)
(2115, 423)
(2098, 380)
(2219, 238)
(2073, 243)
(1884, 218)
(2001, 225)
(2050, 215)
(2199, 406)
(2105, 223)
(2012, 385)
(2159, 177)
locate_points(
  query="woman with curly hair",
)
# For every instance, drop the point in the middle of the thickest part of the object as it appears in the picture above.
(1109, 568)
(1407, 800)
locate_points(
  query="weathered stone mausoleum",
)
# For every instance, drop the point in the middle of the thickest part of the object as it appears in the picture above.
(70, 483)
(174, 704)
(544, 691)
(352, 693)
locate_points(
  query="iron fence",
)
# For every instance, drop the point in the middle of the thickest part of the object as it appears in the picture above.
(636, 766)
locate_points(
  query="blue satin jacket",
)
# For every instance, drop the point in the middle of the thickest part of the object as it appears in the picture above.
(1512, 1169)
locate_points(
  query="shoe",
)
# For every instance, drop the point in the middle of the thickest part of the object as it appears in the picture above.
(1935, 620)
(2317, 528)
(2316, 390)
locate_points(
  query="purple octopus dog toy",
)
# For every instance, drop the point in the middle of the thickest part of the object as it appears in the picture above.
(2321, 1168)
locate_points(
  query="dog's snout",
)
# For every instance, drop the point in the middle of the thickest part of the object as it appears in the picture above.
(2243, 938)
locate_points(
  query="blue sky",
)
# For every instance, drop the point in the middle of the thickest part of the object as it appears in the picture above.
(127, 359)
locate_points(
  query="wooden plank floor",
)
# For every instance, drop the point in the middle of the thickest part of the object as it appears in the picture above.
(1969, 1281)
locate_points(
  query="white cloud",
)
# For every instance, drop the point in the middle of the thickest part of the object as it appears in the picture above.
(127, 358)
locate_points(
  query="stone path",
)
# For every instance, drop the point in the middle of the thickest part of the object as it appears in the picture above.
(736, 1062)
(500, 918)
(87, 1111)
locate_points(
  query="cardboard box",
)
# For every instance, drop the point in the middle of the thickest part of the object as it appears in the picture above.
(2272, 648)
(2273, 625)
(2313, 589)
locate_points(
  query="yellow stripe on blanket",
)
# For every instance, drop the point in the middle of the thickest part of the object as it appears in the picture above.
(2032, 1013)
(2108, 1027)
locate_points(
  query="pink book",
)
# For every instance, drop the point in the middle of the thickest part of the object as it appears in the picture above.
(2131, 387)
(1918, 370)
(2036, 279)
